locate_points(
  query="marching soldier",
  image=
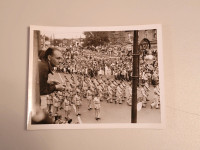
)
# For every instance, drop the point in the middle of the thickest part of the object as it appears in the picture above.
(77, 102)
(123, 87)
(49, 103)
(89, 98)
(118, 94)
(67, 107)
(144, 96)
(97, 106)
(105, 92)
(146, 88)
(99, 88)
(56, 104)
(114, 88)
(129, 94)
(156, 97)
(109, 99)
(155, 78)
(61, 99)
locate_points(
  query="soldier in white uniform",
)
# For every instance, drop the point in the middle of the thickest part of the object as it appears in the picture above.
(61, 99)
(114, 88)
(97, 106)
(84, 89)
(67, 108)
(77, 102)
(109, 99)
(118, 95)
(129, 94)
(156, 97)
(123, 87)
(99, 87)
(146, 88)
(144, 96)
(89, 98)
(105, 92)
(49, 103)
(155, 78)
(56, 104)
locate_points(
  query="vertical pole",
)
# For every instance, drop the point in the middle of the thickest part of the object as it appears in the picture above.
(36, 48)
(135, 78)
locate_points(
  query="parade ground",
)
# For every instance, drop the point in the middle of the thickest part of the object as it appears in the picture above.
(110, 112)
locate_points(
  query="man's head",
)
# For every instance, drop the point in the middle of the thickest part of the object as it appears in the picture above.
(54, 56)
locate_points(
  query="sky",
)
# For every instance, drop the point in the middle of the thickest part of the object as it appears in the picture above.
(62, 35)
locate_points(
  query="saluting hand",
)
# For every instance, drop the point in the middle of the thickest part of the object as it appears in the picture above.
(60, 87)
(53, 82)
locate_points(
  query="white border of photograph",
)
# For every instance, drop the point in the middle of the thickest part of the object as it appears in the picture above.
(97, 126)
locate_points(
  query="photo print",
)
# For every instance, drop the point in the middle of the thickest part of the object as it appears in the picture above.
(95, 77)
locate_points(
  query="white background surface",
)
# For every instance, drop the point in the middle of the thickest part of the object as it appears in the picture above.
(181, 45)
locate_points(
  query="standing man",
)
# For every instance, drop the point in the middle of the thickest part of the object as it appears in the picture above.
(52, 58)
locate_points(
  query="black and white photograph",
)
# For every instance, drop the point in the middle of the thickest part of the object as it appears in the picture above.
(100, 75)
(95, 77)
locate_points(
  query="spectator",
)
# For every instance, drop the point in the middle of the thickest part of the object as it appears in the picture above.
(52, 58)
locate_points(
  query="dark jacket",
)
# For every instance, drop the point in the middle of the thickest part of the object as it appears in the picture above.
(44, 70)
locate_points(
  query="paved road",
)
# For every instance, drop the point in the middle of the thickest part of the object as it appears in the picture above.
(110, 112)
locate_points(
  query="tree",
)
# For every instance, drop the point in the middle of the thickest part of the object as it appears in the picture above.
(56, 42)
(95, 38)
(46, 38)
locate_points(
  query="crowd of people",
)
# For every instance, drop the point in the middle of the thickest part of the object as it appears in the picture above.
(95, 77)
(95, 90)
(94, 63)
